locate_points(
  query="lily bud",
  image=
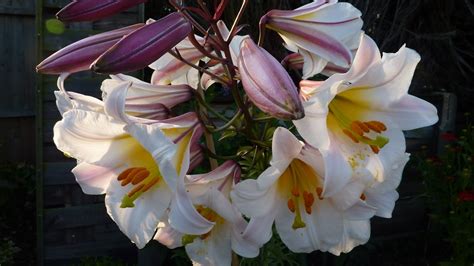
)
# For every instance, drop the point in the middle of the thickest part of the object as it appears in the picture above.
(79, 56)
(86, 10)
(267, 83)
(322, 31)
(144, 46)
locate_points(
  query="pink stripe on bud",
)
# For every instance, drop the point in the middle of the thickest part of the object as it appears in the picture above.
(144, 46)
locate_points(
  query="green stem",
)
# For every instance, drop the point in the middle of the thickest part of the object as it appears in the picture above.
(202, 102)
(228, 124)
(236, 21)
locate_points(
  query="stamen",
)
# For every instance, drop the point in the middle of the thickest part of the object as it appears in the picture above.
(140, 176)
(308, 199)
(291, 205)
(349, 134)
(124, 174)
(295, 192)
(362, 196)
(308, 210)
(128, 175)
(151, 184)
(374, 149)
(135, 190)
(373, 127)
(362, 126)
(356, 128)
(319, 192)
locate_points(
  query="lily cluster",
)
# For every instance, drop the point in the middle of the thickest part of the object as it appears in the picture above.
(329, 174)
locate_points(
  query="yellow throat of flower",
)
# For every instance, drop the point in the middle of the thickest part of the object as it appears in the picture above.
(366, 132)
(209, 215)
(299, 183)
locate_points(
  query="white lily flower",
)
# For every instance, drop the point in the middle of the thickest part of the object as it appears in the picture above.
(137, 100)
(322, 31)
(135, 165)
(204, 221)
(300, 191)
(362, 114)
(132, 100)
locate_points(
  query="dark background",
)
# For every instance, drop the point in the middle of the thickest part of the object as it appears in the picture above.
(37, 190)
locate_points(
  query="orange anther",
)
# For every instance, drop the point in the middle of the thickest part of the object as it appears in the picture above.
(373, 127)
(140, 176)
(349, 134)
(135, 190)
(124, 174)
(362, 126)
(206, 235)
(291, 205)
(308, 199)
(379, 125)
(362, 196)
(308, 210)
(356, 128)
(319, 192)
(295, 192)
(375, 149)
(151, 184)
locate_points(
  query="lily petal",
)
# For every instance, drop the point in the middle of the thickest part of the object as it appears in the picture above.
(94, 179)
(92, 137)
(140, 222)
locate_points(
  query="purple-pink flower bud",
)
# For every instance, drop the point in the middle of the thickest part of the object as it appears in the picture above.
(267, 83)
(86, 10)
(80, 55)
(144, 46)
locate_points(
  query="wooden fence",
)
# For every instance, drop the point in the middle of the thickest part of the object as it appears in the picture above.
(17, 80)
(71, 225)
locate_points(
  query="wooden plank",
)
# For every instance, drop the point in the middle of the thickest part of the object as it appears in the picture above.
(62, 196)
(115, 247)
(59, 173)
(17, 7)
(75, 216)
(17, 65)
(17, 141)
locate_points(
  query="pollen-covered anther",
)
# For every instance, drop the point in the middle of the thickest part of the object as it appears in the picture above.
(127, 176)
(319, 192)
(376, 126)
(374, 149)
(349, 134)
(363, 197)
(359, 128)
(142, 181)
(308, 199)
(291, 205)
(295, 192)
(135, 190)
